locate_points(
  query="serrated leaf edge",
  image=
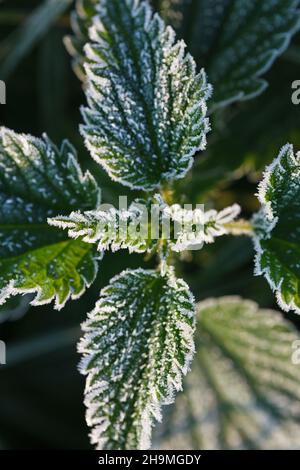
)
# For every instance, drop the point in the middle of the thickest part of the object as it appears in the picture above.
(270, 222)
(10, 290)
(83, 177)
(257, 77)
(175, 213)
(150, 16)
(153, 410)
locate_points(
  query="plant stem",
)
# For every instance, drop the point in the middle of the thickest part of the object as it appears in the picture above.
(167, 193)
(240, 227)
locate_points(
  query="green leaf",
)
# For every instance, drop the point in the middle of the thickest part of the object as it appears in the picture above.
(138, 343)
(236, 41)
(143, 224)
(38, 180)
(23, 39)
(194, 228)
(277, 227)
(147, 106)
(81, 21)
(112, 229)
(243, 389)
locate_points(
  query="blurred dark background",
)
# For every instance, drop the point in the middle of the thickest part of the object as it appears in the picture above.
(40, 388)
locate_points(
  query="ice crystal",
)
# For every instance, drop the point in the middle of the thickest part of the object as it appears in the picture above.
(138, 344)
(111, 229)
(196, 227)
(81, 20)
(37, 181)
(146, 114)
(243, 389)
(277, 228)
(236, 41)
(143, 224)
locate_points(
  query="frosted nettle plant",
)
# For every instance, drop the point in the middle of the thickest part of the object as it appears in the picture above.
(145, 121)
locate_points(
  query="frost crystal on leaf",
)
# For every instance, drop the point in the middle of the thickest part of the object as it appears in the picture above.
(196, 227)
(111, 229)
(37, 181)
(138, 344)
(138, 230)
(236, 41)
(277, 227)
(243, 389)
(81, 20)
(146, 114)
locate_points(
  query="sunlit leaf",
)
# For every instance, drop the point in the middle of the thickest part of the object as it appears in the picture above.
(243, 389)
(277, 227)
(38, 180)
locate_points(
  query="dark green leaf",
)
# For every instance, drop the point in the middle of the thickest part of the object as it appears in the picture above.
(138, 344)
(277, 227)
(38, 180)
(243, 389)
(236, 41)
(81, 21)
(147, 106)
